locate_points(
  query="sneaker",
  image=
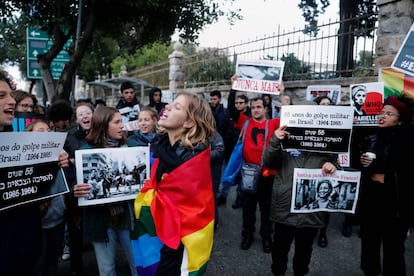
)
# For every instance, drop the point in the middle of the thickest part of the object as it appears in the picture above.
(66, 253)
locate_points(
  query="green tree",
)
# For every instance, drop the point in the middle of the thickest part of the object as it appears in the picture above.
(150, 54)
(102, 51)
(349, 27)
(129, 22)
(208, 66)
(154, 54)
(294, 68)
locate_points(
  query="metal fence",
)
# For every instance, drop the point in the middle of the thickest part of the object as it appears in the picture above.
(306, 57)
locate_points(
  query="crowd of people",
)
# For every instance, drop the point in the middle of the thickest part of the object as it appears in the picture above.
(168, 228)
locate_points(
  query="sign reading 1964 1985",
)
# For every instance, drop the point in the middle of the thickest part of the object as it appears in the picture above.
(38, 42)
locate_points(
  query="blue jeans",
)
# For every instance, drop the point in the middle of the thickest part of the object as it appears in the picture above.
(105, 252)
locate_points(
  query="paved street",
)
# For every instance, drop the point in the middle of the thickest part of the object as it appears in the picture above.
(341, 257)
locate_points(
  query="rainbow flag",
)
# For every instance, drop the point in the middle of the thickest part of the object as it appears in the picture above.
(397, 83)
(180, 208)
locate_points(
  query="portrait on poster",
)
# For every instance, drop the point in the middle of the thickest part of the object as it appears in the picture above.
(115, 174)
(367, 99)
(314, 192)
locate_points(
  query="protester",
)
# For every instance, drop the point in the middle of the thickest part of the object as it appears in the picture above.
(216, 161)
(60, 115)
(109, 224)
(323, 239)
(20, 231)
(301, 227)
(223, 125)
(24, 101)
(155, 96)
(267, 98)
(258, 133)
(128, 98)
(236, 104)
(53, 213)
(73, 249)
(175, 208)
(385, 202)
(147, 132)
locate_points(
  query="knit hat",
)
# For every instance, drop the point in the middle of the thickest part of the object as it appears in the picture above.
(406, 113)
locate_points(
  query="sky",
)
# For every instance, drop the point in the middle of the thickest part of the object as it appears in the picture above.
(261, 17)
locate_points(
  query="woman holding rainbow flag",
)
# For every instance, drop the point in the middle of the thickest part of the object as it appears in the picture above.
(175, 209)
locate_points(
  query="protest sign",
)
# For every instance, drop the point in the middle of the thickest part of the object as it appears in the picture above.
(367, 99)
(314, 192)
(22, 119)
(130, 117)
(404, 60)
(29, 169)
(115, 174)
(317, 128)
(331, 91)
(259, 76)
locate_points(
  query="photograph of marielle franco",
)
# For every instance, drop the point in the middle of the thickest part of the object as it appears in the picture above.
(115, 174)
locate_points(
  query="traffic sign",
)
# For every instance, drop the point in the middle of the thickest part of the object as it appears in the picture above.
(38, 42)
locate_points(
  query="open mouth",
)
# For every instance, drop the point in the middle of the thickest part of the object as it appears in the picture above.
(9, 112)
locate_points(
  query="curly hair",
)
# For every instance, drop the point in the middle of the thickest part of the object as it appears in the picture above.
(198, 111)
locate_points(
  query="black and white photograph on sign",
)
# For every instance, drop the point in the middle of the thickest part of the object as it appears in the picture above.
(115, 174)
(130, 117)
(261, 76)
(317, 128)
(313, 92)
(367, 99)
(315, 192)
(29, 170)
(404, 60)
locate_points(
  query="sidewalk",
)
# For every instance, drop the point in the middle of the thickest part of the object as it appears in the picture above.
(341, 257)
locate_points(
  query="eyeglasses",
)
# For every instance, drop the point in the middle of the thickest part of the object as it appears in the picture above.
(240, 102)
(26, 106)
(81, 114)
(388, 114)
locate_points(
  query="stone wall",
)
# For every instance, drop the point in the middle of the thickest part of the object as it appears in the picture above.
(394, 21)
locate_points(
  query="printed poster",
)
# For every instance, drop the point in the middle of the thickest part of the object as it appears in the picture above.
(318, 128)
(367, 100)
(404, 60)
(332, 91)
(314, 192)
(130, 117)
(29, 169)
(115, 174)
(22, 119)
(259, 76)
